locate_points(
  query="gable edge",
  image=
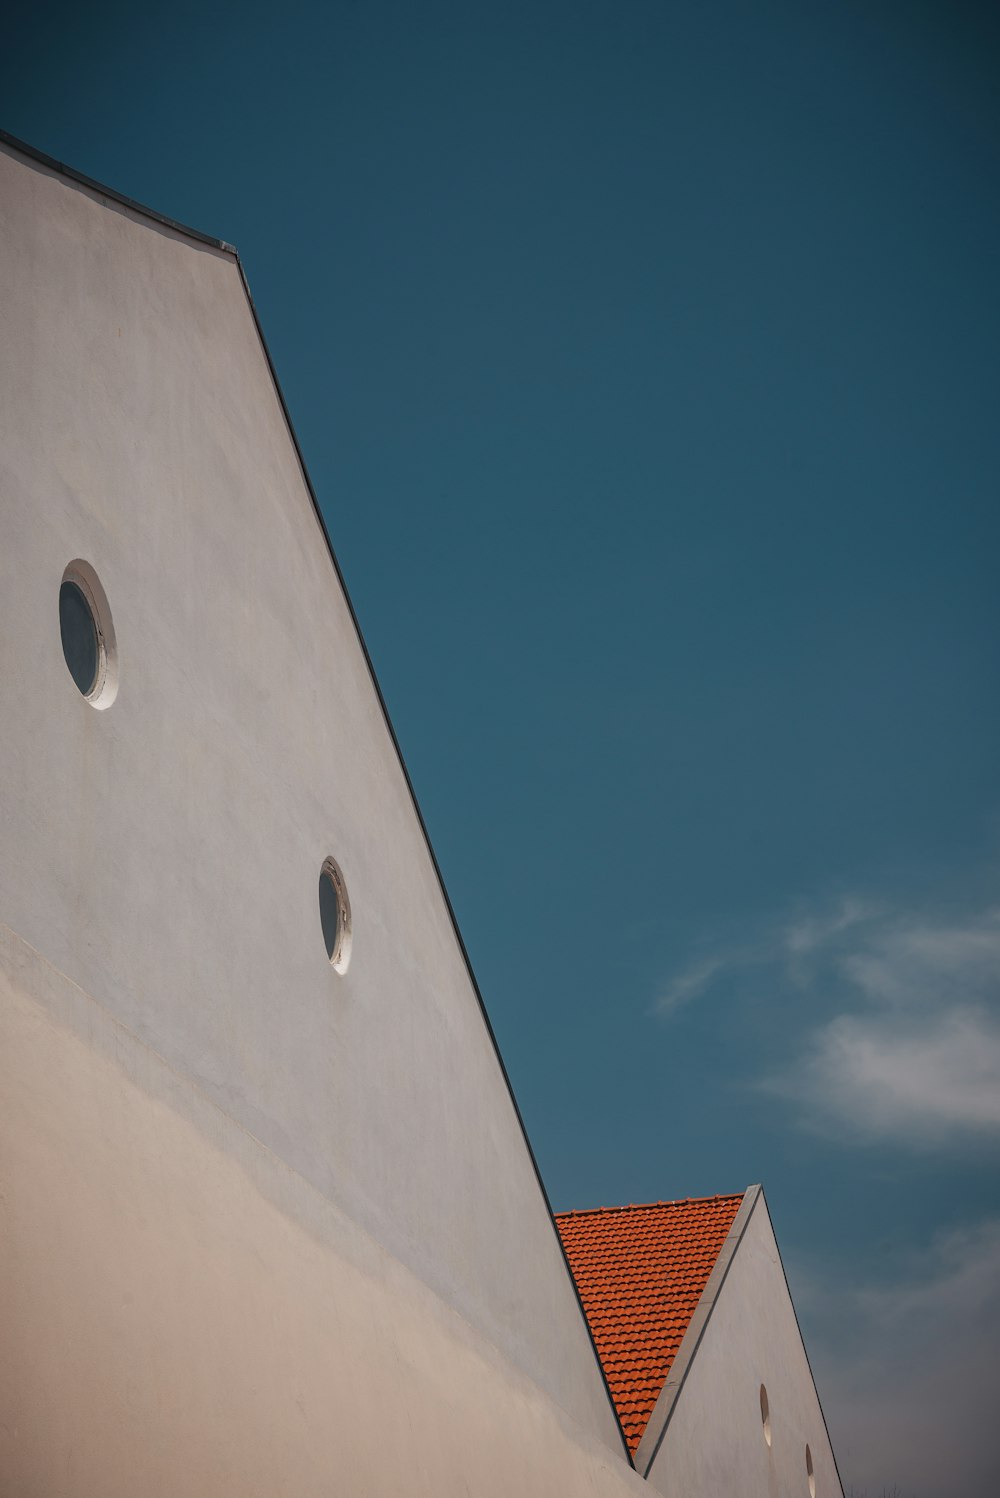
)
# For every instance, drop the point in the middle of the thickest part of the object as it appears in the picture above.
(656, 1426)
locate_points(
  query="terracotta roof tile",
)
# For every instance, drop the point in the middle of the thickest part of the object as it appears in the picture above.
(641, 1272)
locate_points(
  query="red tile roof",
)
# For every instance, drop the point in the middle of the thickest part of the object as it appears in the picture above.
(640, 1272)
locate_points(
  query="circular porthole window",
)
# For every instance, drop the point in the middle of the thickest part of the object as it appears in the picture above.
(88, 635)
(810, 1474)
(765, 1414)
(335, 914)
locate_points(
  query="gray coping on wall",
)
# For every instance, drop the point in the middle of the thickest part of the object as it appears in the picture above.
(656, 1426)
(109, 192)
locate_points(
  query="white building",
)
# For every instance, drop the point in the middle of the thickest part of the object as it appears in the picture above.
(270, 1222)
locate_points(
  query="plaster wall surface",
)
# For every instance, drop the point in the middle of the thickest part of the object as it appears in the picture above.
(181, 1313)
(714, 1441)
(163, 855)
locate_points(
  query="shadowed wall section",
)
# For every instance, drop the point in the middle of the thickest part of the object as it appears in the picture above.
(181, 1313)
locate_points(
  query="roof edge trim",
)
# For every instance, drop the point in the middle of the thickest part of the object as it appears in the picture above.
(34, 154)
(680, 1201)
(656, 1426)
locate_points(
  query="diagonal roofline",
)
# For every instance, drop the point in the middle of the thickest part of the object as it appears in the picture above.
(656, 1425)
(110, 192)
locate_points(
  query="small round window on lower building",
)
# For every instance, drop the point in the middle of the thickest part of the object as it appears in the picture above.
(765, 1414)
(87, 634)
(335, 914)
(810, 1474)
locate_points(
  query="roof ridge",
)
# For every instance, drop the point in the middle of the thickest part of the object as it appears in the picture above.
(680, 1201)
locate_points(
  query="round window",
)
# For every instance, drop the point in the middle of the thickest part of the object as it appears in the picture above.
(88, 636)
(810, 1474)
(335, 914)
(765, 1414)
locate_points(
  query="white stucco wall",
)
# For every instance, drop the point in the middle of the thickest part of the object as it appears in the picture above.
(180, 1313)
(714, 1443)
(163, 857)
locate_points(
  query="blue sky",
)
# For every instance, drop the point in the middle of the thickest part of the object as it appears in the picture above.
(645, 361)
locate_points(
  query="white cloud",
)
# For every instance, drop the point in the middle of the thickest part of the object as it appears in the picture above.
(915, 1077)
(907, 1043)
(787, 945)
(807, 933)
(692, 982)
(922, 962)
(908, 1370)
(921, 1060)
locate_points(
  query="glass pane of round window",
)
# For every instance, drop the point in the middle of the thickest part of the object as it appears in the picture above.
(329, 913)
(79, 636)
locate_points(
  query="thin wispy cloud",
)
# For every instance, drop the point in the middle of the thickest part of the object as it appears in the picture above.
(783, 945)
(808, 933)
(915, 1053)
(911, 962)
(905, 1036)
(919, 1078)
(696, 979)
